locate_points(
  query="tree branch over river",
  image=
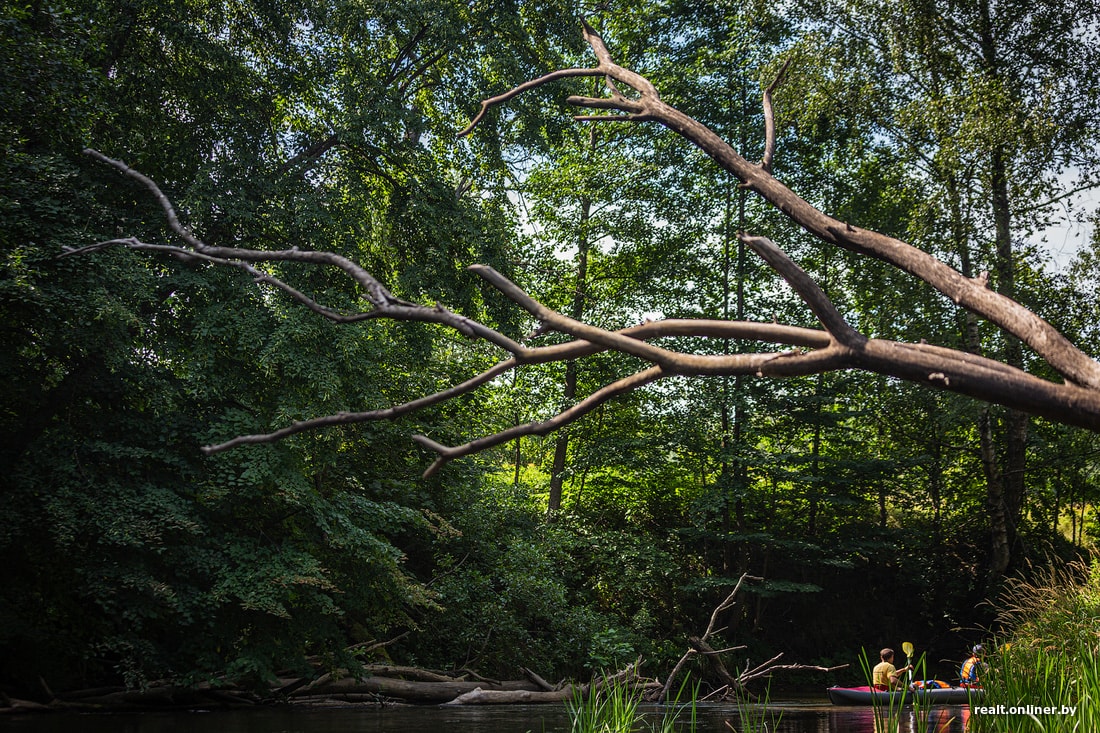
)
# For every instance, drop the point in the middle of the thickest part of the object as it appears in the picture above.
(835, 346)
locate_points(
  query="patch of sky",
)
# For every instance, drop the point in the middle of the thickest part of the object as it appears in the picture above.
(1071, 223)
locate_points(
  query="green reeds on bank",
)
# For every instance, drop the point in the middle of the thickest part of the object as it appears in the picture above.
(612, 706)
(1044, 688)
(680, 714)
(1045, 675)
(757, 716)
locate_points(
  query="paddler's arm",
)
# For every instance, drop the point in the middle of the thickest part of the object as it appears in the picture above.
(897, 673)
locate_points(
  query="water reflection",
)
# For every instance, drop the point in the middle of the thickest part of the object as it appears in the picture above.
(808, 716)
(948, 719)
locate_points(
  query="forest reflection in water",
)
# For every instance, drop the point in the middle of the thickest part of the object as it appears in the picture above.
(809, 716)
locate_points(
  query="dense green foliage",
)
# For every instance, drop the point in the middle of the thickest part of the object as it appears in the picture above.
(330, 125)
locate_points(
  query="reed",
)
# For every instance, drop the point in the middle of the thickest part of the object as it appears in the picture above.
(756, 716)
(613, 707)
(921, 709)
(672, 714)
(1049, 660)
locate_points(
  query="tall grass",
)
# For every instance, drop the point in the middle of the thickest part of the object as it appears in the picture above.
(757, 717)
(922, 708)
(613, 707)
(1049, 658)
(670, 720)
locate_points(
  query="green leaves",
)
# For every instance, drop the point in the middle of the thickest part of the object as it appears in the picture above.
(131, 553)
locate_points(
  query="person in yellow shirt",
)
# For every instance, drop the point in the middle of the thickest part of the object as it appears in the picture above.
(884, 677)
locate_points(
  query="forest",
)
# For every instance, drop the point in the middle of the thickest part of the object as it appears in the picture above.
(507, 335)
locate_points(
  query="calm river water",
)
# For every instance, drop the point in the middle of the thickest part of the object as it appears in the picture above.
(804, 716)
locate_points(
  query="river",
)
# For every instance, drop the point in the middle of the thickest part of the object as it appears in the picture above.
(796, 716)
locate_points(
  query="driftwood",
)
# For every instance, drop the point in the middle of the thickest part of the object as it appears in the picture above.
(478, 696)
(15, 705)
(414, 691)
(153, 698)
(379, 684)
(414, 673)
(733, 686)
(629, 676)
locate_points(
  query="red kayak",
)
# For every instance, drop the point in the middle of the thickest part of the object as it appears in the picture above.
(929, 695)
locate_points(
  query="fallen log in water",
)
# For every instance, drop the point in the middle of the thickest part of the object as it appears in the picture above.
(478, 696)
(407, 690)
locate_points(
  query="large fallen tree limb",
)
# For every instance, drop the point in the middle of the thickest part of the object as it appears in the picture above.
(563, 693)
(479, 696)
(414, 691)
(836, 346)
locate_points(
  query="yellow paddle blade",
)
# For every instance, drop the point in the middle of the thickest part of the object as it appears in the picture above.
(907, 647)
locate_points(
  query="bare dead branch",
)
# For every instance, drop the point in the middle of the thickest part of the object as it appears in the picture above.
(350, 418)
(727, 603)
(1062, 355)
(385, 304)
(546, 354)
(757, 671)
(614, 102)
(768, 668)
(169, 210)
(610, 118)
(1010, 316)
(488, 104)
(807, 288)
(813, 351)
(700, 644)
(769, 118)
(594, 400)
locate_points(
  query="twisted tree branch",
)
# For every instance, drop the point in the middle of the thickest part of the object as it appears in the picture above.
(836, 346)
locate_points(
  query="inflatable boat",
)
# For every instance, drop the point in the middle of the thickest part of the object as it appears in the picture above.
(929, 695)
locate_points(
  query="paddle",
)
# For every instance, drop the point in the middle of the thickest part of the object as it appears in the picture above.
(907, 647)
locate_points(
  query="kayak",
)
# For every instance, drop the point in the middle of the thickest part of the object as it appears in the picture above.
(932, 695)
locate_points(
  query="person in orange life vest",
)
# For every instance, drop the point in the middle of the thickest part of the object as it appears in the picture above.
(884, 676)
(968, 672)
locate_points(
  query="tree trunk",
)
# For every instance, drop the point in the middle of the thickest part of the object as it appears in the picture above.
(569, 391)
(1005, 500)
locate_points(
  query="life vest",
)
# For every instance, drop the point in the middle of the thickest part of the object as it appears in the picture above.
(968, 673)
(930, 685)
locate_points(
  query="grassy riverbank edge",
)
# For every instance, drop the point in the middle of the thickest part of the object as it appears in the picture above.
(1043, 673)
